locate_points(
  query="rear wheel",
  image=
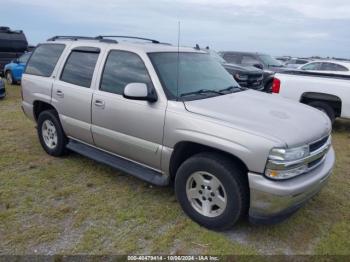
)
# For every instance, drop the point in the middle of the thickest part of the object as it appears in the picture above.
(212, 190)
(9, 78)
(51, 134)
(325, 108)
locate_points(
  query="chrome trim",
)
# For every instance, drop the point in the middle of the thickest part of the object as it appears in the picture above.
(317, 154)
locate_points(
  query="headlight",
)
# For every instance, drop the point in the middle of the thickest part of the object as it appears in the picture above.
(283, 162)
(241, 77)
(289, 154)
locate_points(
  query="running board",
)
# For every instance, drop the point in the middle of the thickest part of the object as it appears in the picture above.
(124, 165)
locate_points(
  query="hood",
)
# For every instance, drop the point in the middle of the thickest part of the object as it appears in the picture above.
(267, 115)
(245, 69)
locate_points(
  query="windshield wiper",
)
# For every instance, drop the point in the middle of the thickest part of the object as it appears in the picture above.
(202, 91)
(233, 89)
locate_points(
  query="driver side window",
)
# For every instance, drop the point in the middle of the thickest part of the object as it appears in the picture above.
(122, 68)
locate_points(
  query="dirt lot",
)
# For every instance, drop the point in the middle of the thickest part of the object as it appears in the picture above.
(74, 205)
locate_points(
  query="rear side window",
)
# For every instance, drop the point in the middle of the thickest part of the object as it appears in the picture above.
(122, 68)
(333, 67)
(79, 68)
(44, 59)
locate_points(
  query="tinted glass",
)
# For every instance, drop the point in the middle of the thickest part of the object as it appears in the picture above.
(79, 68)
(24, 58)
(312, 66)
(301, 62)
(270, 61)
(333, 67)
(121, 69)
(44, 59)
(232, 58)
(197, 71)
(249, 60)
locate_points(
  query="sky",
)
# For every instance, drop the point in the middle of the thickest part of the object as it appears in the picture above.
(277, 27)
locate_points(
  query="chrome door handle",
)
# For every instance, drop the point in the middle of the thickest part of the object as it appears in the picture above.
(99, 103)
(59, 93)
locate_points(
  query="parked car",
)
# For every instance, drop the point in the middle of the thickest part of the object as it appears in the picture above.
(2, 89)
(14, 70)
(165, 113)
(12, 45)
(296, 62)
(327, 67)
(262, 61)
(283, 59)
(246, 76)
(328, 93)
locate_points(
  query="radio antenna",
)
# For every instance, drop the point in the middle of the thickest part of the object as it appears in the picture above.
(178, 61)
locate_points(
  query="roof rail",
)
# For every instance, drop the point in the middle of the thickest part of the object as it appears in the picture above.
(70, 37)
(130, 37)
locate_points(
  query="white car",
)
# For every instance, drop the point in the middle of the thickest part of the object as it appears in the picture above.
(327, 67)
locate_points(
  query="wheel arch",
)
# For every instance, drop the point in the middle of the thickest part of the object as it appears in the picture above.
(186, 149)
(40, 106)
(334, 101)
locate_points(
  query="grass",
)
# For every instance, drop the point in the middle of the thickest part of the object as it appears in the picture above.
(73, 205)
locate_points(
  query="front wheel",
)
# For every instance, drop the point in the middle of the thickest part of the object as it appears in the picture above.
(51, 134)
(212, 190)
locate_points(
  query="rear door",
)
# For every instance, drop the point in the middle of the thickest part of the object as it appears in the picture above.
(129, 128)
(72, 93)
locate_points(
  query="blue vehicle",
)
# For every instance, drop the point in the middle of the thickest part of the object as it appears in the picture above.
(14, 70)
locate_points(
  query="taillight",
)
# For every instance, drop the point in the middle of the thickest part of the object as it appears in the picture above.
(276, 85)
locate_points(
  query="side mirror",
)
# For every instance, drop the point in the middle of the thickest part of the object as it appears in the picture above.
(16, 61)
(259, 66)
(139, 91)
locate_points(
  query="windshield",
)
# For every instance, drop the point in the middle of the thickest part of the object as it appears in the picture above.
(200, 75)
(216, 56)
(270, 61)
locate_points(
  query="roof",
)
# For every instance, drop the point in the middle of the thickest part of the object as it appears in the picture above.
(147, 47)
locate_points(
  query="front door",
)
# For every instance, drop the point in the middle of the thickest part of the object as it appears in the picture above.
(129, 128)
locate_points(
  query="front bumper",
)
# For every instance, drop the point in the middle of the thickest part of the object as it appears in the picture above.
(272, 201)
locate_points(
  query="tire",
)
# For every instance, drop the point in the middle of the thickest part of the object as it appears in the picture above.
(9, 78)
(234, 188)
(268, 87)
(51, 135)
(324, 107)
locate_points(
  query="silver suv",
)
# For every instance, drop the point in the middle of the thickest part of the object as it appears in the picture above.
(174, 115)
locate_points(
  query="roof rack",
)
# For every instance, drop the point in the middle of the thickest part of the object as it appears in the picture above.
(70, 37)
(129, 37)
(101, 38)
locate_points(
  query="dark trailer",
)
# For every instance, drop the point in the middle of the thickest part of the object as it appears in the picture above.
(13, 43)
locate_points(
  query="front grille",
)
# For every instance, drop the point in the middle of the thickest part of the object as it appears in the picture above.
(255, 77)
(318, 144)
(314, 163)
